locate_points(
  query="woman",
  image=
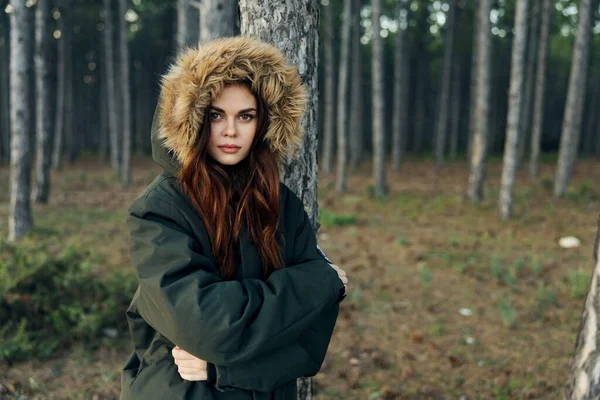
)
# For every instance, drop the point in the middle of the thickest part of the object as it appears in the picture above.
(235, 299)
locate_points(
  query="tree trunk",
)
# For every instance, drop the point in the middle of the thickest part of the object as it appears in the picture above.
(583, 381)
(126, 95)
(442, 122)
(455, 112)
(473, 86)
(293, 27)
(4, 96)
(104, 123)
(21, 69)
(515, 106)
(217, 19)
(400, 88)
(329, 117)
(378, 116)
(482, 99)
(44, 119)
(69, 83)
(540, 84)
(528, 88)
(342, 99)
(590, 129)
(186, 34)
(62, 68)
(109, 62)
(571, 128)
(356, 89)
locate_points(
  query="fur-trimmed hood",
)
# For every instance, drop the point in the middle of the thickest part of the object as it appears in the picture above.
(199, 75)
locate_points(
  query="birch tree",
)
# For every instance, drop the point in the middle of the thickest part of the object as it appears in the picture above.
(571, 127)
(293, 27)
(515, 105)
(4, 93)
(342, 95)
(111, 89)
(126, 95)
(217, 19)
(481, 102)
(540, 86)
(21, 34)
(444, 104)
(356, 89)
(328, 118)
(44, 119)
(377, 73)
(401, 65)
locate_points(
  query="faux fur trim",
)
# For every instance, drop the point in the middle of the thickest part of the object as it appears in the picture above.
(200, 74)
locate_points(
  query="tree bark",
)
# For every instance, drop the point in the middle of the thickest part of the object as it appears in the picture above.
(293, 27)
(482, 98)
(21, 69)
(126, 96)
(399, 121)
(329, 117)
(571, 128)
(356, 89)
(455, 112)
(44, 119)
(422, 76)
(109, 62)
(592, 115)
(515, 106)
(583, 380)
(444, 104)
(4, 96)
(185, 34)
(378, 133)
(104, 123)
(62, 92)
(342, 99)
(540, 84)
(217, 19)
(528, 87)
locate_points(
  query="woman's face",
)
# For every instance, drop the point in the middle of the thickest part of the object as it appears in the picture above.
(232, 124)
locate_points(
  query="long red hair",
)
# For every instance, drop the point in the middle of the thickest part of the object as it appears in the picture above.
(230, 198)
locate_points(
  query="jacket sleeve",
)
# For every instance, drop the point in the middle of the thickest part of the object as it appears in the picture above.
(223, 322)
(303, 357)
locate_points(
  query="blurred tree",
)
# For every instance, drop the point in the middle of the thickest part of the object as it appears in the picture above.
(455, 107)
(540, 85)
(64, 90)
(356, 133)
(422, 77)
(528, 88)
(444, 98)
(217, 19)
(293, 27)
(43, 40)
(480, 102)
(111, 88)
(20, 219)
(379, 180)
(401, 86)
(582, 383)
(515, 107)
(329, 117)
(342, 98)
(4, 88)
(125, 87)
(185, 34)
(571, 128)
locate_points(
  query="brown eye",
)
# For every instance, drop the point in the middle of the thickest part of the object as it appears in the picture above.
(214, 116)
(246, 117)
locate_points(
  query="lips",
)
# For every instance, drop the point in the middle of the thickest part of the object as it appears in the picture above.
(230, 147)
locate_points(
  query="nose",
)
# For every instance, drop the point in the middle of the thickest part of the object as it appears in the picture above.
(230, 129)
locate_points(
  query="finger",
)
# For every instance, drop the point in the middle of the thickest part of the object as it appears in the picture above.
(194, 377)
(191, 370)
(197, 364)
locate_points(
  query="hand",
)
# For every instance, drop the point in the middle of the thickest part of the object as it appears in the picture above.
(341, 274)
(191, 368)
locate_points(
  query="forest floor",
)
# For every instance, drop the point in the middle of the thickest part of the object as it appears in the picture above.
(445, 301)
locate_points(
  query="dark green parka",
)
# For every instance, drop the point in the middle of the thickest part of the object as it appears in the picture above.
(258, 336)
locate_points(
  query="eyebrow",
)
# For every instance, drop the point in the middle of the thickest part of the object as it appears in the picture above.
(245, 110)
